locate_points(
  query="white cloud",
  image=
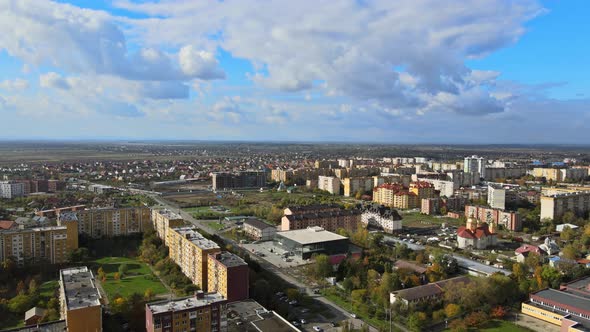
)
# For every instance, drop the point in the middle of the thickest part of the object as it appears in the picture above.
(15, 84)
(54, 80)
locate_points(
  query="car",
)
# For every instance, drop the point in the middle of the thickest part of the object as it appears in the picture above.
(280, 294)
(295, 323)
(333, 324)
(353, 315)
(304, 310)
(303, 321)
(294, 302)
(317, 328)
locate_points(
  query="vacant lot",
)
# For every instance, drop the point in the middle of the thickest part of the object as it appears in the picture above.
(416, 219)
(138, 278)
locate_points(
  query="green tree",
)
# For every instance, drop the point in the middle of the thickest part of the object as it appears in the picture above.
(21, 303)
(123, 269)
(417, 321)
(322, 267)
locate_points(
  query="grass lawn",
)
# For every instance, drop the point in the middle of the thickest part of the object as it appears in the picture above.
(496, 325)
(331, 294)
(139, 277)
(215, 225)
(416, 219)
(48, 290)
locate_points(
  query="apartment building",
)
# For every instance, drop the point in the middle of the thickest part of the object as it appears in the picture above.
(328, 220)
(556, 205)
(455, 203)
(279, 175)
(244, 179)
(163, 220)
(560, 174)
(496, 197)
(422, 189)
(315, 208)
(507, 219)
(430, 206)
(31, 245)
(381, 217)
(258, 229)
(189, 249)
(203, 312)
(494, 173)
(357, 184)
(475, 164)
(109, 222)
(444, 187)
(396, 196)
(228, 276)
(11, 189)
(330, 184)
(80, 300)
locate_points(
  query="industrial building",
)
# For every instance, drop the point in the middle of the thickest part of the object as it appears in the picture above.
(310, 241)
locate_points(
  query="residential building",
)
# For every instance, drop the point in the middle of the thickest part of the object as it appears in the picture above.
(352, 185)
(258, 229)
(508, 219)
(109, 222)
(427, 293)
(203, 312)
(53, 213)
(228, 275)
(455, 203)
(422, 189)
(32, 245)
(330, 184)
(280, 175)
(163, 220)
(311, 241)
(475, 164)
(326, 164)
(189, 249)
(11, 189)
(496, 197)
(54, 186)
(80, 300)
(385, 193)
(495, 173)
(476, 235)
(307, 209)
(381, 217)
(430, 206)
(330, 220)
(250, 316)
(444, 187)
(555, 206)
(243, 179)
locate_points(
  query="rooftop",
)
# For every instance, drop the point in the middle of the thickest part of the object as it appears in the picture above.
(228, 259)
(250, 316)
(169, 214)
(311, 235)
(196, 238)
(257, 223)
(185, 303)
(564, 298)
(77, 284)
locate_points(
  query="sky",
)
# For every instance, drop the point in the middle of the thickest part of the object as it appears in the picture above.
(404, 71)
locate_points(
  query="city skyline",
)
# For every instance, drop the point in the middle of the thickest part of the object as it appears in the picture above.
(338, 71)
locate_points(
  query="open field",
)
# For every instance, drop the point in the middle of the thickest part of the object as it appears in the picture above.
(416, 219)
(138, 278)
(496, 325)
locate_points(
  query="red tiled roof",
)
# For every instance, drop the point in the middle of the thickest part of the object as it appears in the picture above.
(465, 233)
(481, 231)
(7, 224)
(528, 248)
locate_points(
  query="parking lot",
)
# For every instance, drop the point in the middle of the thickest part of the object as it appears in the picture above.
(273, 254)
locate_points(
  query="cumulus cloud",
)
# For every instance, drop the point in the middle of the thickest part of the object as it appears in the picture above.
(15, 84)
(54, 80)
(404, 55)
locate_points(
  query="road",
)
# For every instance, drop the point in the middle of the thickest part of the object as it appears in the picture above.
(357, 323)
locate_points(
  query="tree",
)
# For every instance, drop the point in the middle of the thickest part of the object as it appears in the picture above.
(21, 303)
(148, 295)
(101, 275)
(567, 234)
(20, 287)
(293, 294)
(78, 255)
(123, 268)
(117, 276)
(322, 266)
(452, 310)
(416, 321)
(498, 312)
(518, 272)
(33, 287)
(569, 252)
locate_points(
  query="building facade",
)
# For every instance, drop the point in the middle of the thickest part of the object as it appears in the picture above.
(11, 189)
(357, 184)
(476, 235)
(80, 300)
(32, 245)
(496, 197)
(258, 229)
(311, 241)
(475, 164)
(381, 217)
(555, 206)
(189, 249)
(163, 220)
(244, 179)
(203, 312)
(228, 276)
(510, 220)
(329, 220)
(430, 206)
(330, 184)
(109, 222)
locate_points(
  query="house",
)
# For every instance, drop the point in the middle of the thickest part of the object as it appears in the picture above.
(525, 250)
(559, 228)
(476, 235)
(258, 229)
(7, 224)
(429, 292)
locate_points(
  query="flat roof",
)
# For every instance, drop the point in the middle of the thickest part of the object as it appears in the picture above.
(257, 223)
(566, 298)
(184, 303)
(169, 214)
(228, 259)
(250, 316)
(311, 235)
(79, 289)
(195, 237)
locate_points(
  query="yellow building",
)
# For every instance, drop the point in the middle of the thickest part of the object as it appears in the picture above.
(405, 200)
(553, 174)
(31, 245)
(394, 195)
(356, 184)
(422, 189)
(109, 222)
(203, 312)
(228, 275)
(80, 300)
(163, 219)
(190, 250)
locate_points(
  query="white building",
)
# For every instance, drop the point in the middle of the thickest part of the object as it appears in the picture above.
(381, 217)
(11, 189)
(497, 197)
(330, 184)
(475, 164)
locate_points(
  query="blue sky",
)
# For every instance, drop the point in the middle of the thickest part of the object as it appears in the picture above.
(482, 71)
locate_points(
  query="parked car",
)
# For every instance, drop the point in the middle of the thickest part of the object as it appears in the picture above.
(333, 324)
(317, 328)
(295, 323)
(353, 315)
(303, 321)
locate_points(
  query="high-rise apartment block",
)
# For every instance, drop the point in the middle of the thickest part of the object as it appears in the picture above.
(80, 300)
(422, 189)
(163, 220)
(203, 312)
(430, 206)
(330, 184)
(328, 217)
(357, 184)
(475, 164)
(497, 197)
(109, 222)
(41, 244)
(244, 179)
(228, 276)
(509, 220)
(189, 249)
(11, 189)
(396, 196)
(556, 205)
